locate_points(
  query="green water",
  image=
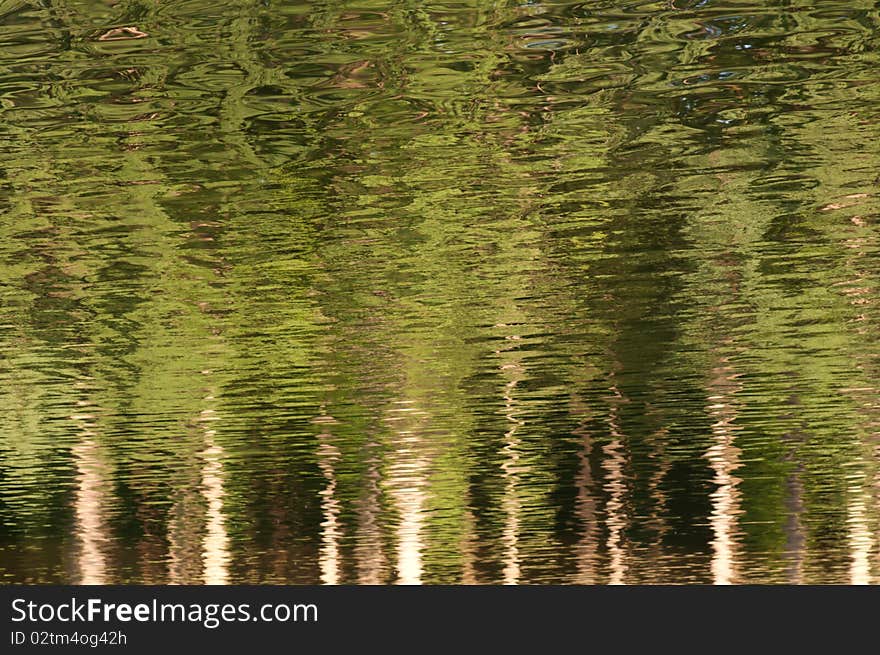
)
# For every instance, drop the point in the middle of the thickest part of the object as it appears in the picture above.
(443, 292)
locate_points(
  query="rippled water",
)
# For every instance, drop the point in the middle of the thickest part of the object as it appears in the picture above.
(480, 292)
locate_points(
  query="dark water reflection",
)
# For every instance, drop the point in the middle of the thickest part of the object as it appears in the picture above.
(359, 292)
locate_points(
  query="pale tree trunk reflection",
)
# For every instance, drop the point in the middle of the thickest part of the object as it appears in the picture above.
(724, 459)
(89, 502)
(860, 537)
(615, 485)
(406, 481)
(511, 504)
(215, 545)
(614, 464)
(863, 493)
(331, 531)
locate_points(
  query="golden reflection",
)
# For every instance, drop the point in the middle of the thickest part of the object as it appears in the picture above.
(511, 504)
(615, 485)
(123, 33)
(89, 502)
(859, 291)
(614, 465)
(859, 534)
(215, 544)
(407, 479)
(331, 532)
(724, 458)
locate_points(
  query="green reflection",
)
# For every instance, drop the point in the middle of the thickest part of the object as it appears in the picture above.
(462, 292)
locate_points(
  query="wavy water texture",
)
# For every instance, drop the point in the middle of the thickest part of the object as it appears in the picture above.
(439, 292)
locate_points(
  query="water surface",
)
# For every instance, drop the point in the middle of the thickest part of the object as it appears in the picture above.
(439, 292)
